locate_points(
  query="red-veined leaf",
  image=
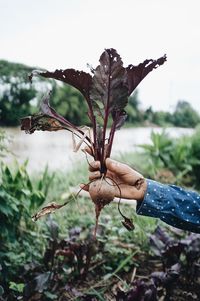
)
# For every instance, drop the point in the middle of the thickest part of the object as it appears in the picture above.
(109, 84)
(40, 122)
(78, 79)
(135, 74)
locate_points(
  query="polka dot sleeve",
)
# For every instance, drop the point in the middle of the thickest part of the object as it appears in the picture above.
(172, 204)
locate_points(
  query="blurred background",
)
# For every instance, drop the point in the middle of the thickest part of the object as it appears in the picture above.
(161, 138)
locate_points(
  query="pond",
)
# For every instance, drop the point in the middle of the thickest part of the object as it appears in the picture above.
(56, 149)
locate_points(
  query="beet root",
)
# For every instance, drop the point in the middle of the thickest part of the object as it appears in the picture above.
(102, 192)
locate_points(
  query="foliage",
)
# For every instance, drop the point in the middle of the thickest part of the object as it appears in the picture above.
(34, 258)
(4, 142)
(174, 160)
(63, 261)
(73, 108)
(8, 70)
(16, 93)
(18, 198)
(134, 113)
(162, 118)
(185, 116)
(72, 255)
(195, 153)
(76, 267)
(179, 275)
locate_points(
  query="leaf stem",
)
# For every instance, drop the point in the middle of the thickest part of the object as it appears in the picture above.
(93, 120)
(103, 167)
(111, 138)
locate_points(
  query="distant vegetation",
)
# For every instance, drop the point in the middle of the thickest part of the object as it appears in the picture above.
(18, 98)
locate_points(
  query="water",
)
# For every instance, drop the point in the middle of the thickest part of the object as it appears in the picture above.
(56, 148)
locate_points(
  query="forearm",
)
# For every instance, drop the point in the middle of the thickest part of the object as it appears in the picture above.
(172, 204)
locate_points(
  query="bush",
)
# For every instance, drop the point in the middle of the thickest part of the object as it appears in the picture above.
(195, 153)
(18, 199)
(174, 160)
(185, 116)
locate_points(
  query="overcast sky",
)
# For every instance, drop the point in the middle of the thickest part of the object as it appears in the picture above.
(71, 33)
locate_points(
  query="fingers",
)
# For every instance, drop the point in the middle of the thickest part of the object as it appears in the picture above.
(117, 167)
(95, 165)
(94, 175)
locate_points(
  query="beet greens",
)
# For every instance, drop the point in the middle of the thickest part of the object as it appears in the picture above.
(106, 91)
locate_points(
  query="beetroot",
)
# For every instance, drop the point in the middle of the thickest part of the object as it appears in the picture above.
(102, 192)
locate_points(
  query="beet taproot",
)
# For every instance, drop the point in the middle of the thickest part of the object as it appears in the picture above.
(102, 192)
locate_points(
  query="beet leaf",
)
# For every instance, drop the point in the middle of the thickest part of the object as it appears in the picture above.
(106, 92)
(136, 74)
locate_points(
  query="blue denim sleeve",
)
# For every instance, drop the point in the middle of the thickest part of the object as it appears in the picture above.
(174, 205)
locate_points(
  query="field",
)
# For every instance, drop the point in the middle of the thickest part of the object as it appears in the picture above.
(57, 258)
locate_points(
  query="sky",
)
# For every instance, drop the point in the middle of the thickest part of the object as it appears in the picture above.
(71, 33)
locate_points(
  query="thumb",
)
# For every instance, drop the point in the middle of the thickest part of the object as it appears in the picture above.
(117, 167)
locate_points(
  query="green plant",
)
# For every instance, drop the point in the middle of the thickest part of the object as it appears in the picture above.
(185, 116)
(4, 141)
(18, 198)
(195, 153)
(177, 159)
(159, 148)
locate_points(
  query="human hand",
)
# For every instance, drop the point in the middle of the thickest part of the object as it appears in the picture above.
(125, 179)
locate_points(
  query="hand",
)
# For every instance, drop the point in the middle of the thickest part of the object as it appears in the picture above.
(132, 184)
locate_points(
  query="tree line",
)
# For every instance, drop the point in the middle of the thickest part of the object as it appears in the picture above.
(19, 98)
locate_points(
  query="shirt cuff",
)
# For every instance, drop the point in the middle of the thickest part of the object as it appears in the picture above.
(152, 204)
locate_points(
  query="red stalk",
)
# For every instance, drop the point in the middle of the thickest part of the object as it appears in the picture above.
(103, 167)
(111, 138)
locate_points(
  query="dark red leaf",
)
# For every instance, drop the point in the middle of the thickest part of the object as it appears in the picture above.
(120, 119)
(50, 208)
(136, 74)
(168, 277)
(128, 224)
(40, 122)
(109, 82)
(47, 110)
(26, 124)
(78, 79)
